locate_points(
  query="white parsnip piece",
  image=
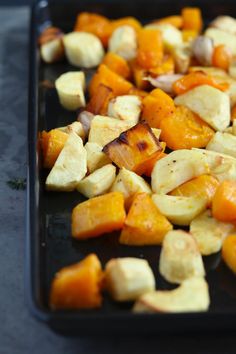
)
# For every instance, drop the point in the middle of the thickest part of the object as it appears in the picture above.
(179, 210)
(224, 143)
(209, 233)
(128, 278)
(95, 157)
(126, 108)
(83, 49)
(221, 37)
(98, 182)
(123, 42)
(75, 127)
(180, 258)
(182, 55)
(70, 88)
(191, 296)
(70, 166)
(178, 167)
(211, 104)
(52, 51)
(224, 23)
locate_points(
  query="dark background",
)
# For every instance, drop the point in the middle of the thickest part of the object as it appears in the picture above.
(20, 333)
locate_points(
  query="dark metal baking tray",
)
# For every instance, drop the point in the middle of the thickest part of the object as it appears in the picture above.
(49, 244)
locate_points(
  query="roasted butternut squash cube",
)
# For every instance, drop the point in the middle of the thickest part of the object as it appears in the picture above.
(144, 224)
(117, 64)
(150, 48)
(78, 286)
(52, 143)
(99, 101)
(134, 148)
(98, 215)
(139, 74)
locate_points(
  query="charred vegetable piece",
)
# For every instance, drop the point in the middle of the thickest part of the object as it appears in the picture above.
(98, 215)
(78, 286)
(144, 224)
(134, 149)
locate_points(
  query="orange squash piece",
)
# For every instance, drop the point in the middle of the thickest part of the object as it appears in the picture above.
(150, 48)
(189, 35)
(109, 78)
(144, 224)
(152, 162)
(139, 74)
(229, 252)
(52, 143)
(137, 92)
(185, 130)
(194, 79)
(233, 113)
(224, 201)
(134, 148)
(192, 19)
(98, 215)
(126, 21)
(166, 67)
(78, 286)
(96, 24)
(222, 57)
(175, 20)
(117, 64)
(99, 101)
(203, 186)
(157, 106)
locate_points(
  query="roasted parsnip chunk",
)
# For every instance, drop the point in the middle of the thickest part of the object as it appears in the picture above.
(203, 49)
(105, 129)
(179, 210)
(180, 258)
(191, 296)
(129, 183)
(178, 167)
(224, 143)
(123, 42)
(222, 37)
(83, 49)
(127, 108)
(75, 127)
(134, 149)
(98, 182)
(128, 278)
(209, 233)
(182, 55)
(70, 166)
(70, 88)
(225, 23)
(51, 45)
(211, 104)
(95, 157)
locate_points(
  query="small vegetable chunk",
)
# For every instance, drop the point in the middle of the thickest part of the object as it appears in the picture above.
(126, 21)
(171, 36)
(184, 129)
(123, 42)
(98, 182)
(179, 210)
(211, 104)
(129, 183)
(127, 108)
(209, 233)
(78, 286)
(192, 18)
(134, 149)
(150, 48)
(191, 296)
(224, 201)
(174, 20)
(177, 168)
(128, 278)
(70, 166)
(224, 143)
(95, 157)
(83, 49)
(98, 103)
(117, 64)
(203, 186)
(105, 129)
(229, 252)
(156, 107)
(222, 57)
(109, 78)
(180, 258)
(51, 46)
(221, 37)
(98, 215)
(70, 88)
(144, 224)
(52, 143)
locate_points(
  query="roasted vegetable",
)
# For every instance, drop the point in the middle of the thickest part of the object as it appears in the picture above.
(192, 18)
(95, 157)
(224, 143)
(128, 278)
(180, 258)
(117, 64)
(224, 202)
(171, 36)
(221, 37)
(98, 215)
(98, 103)
(52, 143)
(51, 45)
(139, 76)
(150, 48)
(78, 286)
(144, 224)
(134, 149)
(127, 108)
(229, 252)
(123, 42)
(174, 20)
(126, 21)
(222, 57)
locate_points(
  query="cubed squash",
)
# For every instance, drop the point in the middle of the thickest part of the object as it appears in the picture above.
(144, 224)
(150, 48)
(224, 201)
(52, 143)
(98, 215)
(117, 64)
(98, 103)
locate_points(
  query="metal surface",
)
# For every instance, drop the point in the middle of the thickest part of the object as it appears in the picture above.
(49, 242)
